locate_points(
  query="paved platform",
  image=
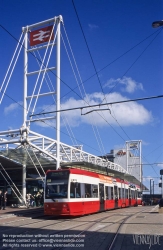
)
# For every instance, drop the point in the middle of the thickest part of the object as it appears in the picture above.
(14, 210)
(142, 231)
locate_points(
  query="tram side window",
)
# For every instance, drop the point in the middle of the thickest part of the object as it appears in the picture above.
(115, 192)
(126, 193)
(139, 194)
(123, 193)
(112, 193)
(106, 193)
(119, 191)
(94, 191)
(132, 194)
(109, 193)
(88, 190)
(75, 191)
(136, 194)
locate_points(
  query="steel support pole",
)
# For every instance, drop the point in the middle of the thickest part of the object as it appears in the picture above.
(25, 77)
(24, 182)
(162, 186)
(153, 190)
(127, 155)
(150, 191)
(140, 161)
(58, 95)
(141, 168)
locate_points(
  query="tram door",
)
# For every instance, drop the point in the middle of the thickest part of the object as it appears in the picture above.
(129, 190)
(136, 197)
(101, 190)
(116, 196)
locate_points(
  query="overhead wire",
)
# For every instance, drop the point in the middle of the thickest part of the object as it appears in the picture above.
(85, 80)
(96, 73)
(160, 30)
(90, 53)
(93, 121)
(156, 159)
(98, 78)
(61, 79)
(65, 121)
(94, 63)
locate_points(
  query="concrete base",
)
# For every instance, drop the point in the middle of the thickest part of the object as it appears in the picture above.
(160, 210)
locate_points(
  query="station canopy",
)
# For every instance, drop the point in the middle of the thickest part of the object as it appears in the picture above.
(10, 158)
(16, 158)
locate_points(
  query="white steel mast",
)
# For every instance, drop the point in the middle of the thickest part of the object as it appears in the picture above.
(26, 30)
(58, 94)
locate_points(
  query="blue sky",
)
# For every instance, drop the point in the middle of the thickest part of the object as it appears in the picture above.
(127, 54)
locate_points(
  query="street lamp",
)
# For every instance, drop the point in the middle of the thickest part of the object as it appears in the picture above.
(150, 191)
(157, 24)
(153, 190)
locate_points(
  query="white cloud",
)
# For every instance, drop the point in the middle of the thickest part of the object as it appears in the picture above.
(92, 26)
(127, 114)
(160, 165)
(128, 84)
(12, 107)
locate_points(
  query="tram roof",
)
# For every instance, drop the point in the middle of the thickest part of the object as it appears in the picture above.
(103, 170)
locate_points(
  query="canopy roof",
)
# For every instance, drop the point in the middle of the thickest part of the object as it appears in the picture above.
(19, 157)
(16, 158)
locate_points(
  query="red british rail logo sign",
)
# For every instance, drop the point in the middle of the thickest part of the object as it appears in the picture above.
(41, 35)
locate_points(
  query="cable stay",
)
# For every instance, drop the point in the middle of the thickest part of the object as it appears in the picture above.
(13, 61)
(91, 119)
(17, 195)
(53, 92)
(24, 138)
(35, 165)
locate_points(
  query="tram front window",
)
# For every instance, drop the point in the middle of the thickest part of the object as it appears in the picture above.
(56, 185)
(139, 194)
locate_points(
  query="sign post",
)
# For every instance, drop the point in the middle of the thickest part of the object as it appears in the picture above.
(42, 38)
(161, 173)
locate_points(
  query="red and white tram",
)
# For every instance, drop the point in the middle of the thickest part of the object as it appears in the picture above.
(77, 192)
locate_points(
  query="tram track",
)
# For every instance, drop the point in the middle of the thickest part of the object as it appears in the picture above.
(119, 224)
(88, 225)
(49, 218)
(18, 218)
(95, 222)
(112, 243)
